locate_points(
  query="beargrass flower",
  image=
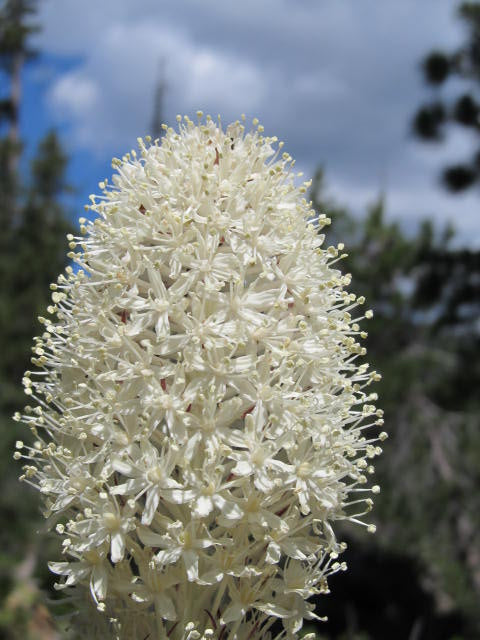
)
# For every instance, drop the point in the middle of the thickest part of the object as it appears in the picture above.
(201, 418)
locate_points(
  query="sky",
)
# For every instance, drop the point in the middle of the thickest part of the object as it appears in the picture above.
(337, 80)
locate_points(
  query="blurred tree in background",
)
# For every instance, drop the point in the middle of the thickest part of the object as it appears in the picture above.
(420, 577)
(432, 119)
(32, 253)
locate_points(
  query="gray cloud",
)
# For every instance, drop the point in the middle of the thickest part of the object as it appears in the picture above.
(338, 81)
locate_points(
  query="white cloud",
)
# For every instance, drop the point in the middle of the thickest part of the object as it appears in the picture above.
(75, 92)
(321, 85)
(108, 98)
(337, 81)
(221, 80)
(412, 203)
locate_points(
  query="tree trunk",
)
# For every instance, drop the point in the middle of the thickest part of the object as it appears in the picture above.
(14, 131)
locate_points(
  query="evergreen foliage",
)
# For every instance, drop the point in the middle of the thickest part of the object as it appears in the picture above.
(425, 341)
(32, 253)
(432, 119)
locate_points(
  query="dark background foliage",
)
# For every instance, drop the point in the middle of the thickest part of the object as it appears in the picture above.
(419, 577)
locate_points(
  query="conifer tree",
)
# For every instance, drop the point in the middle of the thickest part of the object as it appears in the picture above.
(433, 119)
(32, 249)
(424, 339)
(447, 293)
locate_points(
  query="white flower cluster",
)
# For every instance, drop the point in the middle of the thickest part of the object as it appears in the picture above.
(200, 418)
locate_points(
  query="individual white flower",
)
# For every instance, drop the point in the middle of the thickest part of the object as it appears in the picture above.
(94, 567)
(154, 588)
(256, 456)
(200, 418)
(247, 595)
(149, 471)
(110, 524)
(283, 542)
(209, 490)
(180, 542)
